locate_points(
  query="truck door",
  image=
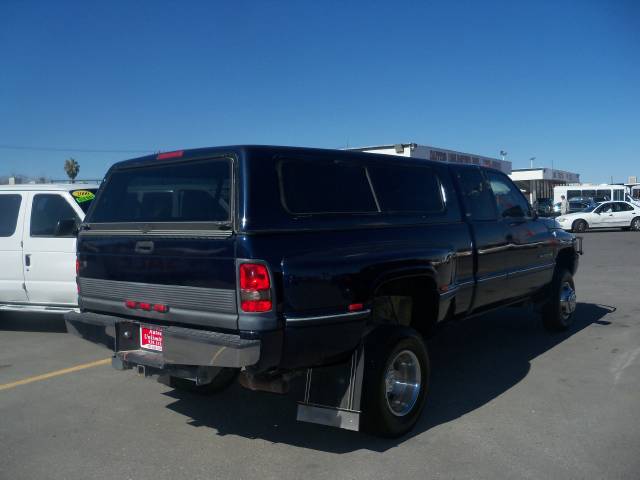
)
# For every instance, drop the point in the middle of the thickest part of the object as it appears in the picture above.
(490, 236)
(12, 208)
(49, 257)
(531, 244)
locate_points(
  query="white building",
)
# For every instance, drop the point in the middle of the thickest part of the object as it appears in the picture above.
(427, 152)
(538, 183)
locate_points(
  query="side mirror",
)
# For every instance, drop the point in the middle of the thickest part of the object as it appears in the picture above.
(66, 227)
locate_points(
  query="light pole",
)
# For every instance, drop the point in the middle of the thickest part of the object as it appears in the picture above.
(531, 162)
(503, 155)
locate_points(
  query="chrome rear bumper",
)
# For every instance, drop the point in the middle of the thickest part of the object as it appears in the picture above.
(181, 346)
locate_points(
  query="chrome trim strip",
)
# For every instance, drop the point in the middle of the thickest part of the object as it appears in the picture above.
(465, 284)
(157, 233)
(329, 318)
(532, 269)
(492, 277)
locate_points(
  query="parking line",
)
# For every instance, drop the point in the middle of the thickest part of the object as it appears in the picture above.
(64, 371)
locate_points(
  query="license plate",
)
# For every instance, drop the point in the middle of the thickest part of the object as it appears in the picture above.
(151, 338)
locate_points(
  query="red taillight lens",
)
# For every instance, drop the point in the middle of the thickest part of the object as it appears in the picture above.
(160, 308)
(131, 304)
(254, 277)
(145, 306)
(77, 267)
(255, 288)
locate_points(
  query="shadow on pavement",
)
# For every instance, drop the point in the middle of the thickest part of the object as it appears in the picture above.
(472, 363)
(32, 322)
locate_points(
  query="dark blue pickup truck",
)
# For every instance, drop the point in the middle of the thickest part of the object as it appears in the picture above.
(270, 263)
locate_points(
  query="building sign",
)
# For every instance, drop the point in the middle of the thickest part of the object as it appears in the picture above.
(454, 157)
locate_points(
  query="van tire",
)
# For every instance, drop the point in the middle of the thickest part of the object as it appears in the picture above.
(383, 413)
(579, 226)
(635, 224)
(558, 313)
(225, 378)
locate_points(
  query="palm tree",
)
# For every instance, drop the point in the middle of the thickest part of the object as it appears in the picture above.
(72, 168)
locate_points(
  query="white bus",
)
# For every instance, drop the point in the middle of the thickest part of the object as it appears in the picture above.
(596, 193)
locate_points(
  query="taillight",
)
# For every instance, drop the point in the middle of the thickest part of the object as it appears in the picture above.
(166, 155)
(146, 306)
(255, 288)
(77, 267)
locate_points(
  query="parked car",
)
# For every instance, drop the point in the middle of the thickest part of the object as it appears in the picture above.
(194, 265)
(604, 215)
(38, 244)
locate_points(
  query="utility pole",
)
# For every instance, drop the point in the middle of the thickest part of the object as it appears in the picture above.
(531, 162)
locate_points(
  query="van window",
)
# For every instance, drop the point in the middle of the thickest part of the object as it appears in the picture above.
(198, 191)
(46, 211)
(407, 188)
(509, 200)
(573, 194)
(9, 209)
(320, 187)
(478, 197)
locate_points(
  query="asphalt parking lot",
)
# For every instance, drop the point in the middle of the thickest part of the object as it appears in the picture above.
(507, 400)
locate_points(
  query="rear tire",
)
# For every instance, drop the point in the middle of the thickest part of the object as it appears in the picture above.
(225, 378)
(579, 226)
(635, 224)
(557, 314)
(395, 383)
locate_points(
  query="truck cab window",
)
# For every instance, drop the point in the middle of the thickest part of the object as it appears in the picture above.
(509, 200)
(478, 198)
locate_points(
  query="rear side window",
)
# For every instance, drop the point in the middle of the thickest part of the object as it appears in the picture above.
(9, 209)
(46, 211)
(178, 192)
(406, 188)
(315, 187)
(478, 197)
(84, 197)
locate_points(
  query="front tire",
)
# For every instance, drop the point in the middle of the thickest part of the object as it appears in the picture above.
(635, 224)
(557, 314)
(395, 384)
(223, 380)
(580, 226)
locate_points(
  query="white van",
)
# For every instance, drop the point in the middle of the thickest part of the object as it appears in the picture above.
(38, 244)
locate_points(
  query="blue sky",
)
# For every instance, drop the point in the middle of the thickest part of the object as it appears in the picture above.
(558, 80)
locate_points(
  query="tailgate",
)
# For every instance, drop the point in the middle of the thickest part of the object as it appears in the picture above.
(157, 244)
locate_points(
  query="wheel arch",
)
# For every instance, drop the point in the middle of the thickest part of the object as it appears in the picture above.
(567, 258)
(420, 286)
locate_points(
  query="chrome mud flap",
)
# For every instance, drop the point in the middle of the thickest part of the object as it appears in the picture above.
(332, 395)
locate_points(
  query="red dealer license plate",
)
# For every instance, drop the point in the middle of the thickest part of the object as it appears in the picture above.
(151, 338)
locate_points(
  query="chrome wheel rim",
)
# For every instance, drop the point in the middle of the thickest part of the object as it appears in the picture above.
(635, 225)
(403, 382)
(567, 300)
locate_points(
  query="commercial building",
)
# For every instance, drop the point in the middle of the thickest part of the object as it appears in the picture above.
(427, 152)
(538, 183)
